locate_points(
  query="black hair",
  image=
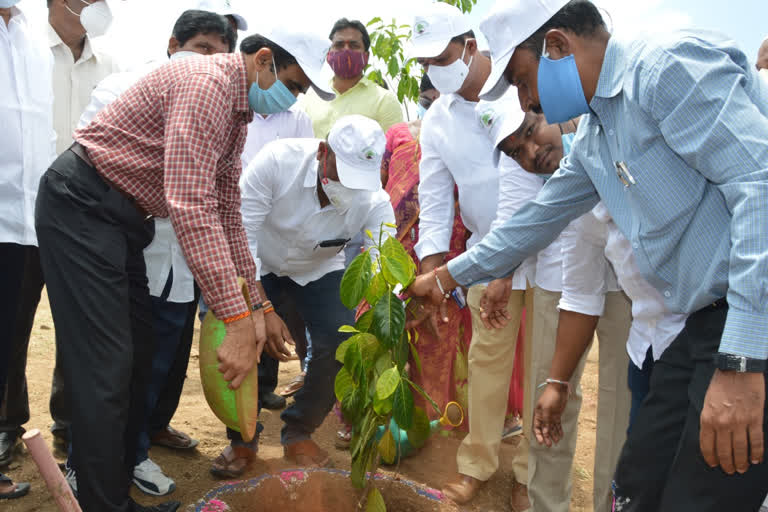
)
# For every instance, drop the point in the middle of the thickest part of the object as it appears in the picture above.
(256, 42)
(355, 24)
(426, 83)
(194, 22)
(463, 37)
(578, 16)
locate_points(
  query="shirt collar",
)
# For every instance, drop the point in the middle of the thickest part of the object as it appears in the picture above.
(241, 96)
(612, 73)
(364, 82)
(54, 40)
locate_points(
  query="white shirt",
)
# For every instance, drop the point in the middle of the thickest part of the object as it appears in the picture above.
(456, 151)
(283, 218)
(587, 276)
(27, 140)
(291, 124)
(73, 83)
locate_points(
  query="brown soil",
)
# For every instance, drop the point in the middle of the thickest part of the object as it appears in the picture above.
(324, 492)
(434, 466)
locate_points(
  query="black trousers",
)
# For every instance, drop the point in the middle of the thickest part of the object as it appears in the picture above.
(91, 247)
(170, 394)
(23, 261)
(661, 468)
(12, 260)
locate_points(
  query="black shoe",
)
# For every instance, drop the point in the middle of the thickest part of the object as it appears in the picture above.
(272, 401)
(167, 506)
(8, 441)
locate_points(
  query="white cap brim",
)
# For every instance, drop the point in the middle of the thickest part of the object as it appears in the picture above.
(319, 77)
(426, 49)
(354, 177)
(495, 87)
(241, 23)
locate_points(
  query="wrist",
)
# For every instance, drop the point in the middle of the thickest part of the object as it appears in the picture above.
(739, 364)
(446, 278)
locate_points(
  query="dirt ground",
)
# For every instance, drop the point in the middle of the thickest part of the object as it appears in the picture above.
(433, 466)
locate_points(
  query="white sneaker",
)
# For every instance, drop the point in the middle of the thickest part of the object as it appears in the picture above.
(150, 479)
(71, 478)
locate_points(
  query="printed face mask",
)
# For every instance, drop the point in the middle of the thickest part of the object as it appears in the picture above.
(347, 63)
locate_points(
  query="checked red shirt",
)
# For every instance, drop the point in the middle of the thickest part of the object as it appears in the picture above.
(173, 142)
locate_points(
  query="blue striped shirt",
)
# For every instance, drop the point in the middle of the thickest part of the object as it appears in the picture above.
(687, 116)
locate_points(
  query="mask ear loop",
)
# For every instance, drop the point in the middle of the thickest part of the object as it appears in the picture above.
(544, 52)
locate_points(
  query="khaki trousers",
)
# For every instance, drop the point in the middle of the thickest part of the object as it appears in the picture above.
(549, 470)
(491, 360)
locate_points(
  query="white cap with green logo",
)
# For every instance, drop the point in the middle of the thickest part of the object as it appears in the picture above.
(358, 143)
(433, 29)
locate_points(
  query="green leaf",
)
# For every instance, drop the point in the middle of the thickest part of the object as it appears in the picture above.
(348, 328)
(393, 66)
(420, 431)
(343, 385)
(397, 265)
(402, 407)
(376, 290)
(387, 383)
(425, 395)
(359, 468)
(342, 349)
(352, 406)
(382, 407)
(375, 501)
(356, 280)
(369, 348)
(362, 436)
(364, 322)
(353, 361)
(374, 20)
(388, 320)
(388, 448)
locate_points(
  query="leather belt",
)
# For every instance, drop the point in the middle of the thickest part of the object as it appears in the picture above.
(79, 150)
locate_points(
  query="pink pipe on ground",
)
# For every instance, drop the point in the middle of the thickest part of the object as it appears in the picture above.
(49, 470)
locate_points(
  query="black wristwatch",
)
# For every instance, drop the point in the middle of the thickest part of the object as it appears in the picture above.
(739, 364)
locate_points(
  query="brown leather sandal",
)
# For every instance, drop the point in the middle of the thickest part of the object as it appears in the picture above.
(233, 461)
(174, 439)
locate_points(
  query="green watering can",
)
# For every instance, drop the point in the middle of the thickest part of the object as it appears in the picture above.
(452, 417)
(238, 409)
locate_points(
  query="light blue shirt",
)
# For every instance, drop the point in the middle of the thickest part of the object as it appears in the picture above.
(688, 115)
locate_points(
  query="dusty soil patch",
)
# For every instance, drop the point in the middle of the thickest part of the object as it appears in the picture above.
(433, 466)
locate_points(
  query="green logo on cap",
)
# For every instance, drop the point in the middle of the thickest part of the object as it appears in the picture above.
(487, 118)
(369, 154)
(420, 28)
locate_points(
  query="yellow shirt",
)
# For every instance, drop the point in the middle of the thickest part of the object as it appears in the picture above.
(366, 98)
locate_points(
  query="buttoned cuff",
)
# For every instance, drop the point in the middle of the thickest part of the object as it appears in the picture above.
(592, 305)
(745, 334)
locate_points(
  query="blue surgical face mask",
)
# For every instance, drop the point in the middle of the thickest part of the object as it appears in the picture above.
(277, 98)
(8, 3)
(560, 92)
(420, 111)
(567, 142)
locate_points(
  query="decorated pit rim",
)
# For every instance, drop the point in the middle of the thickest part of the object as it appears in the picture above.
(213, 502)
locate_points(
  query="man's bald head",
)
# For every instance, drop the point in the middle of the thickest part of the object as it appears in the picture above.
(762, 55)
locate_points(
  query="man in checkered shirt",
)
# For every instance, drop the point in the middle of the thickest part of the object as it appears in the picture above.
(168, 147)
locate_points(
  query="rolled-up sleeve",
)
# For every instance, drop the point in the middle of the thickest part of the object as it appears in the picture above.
(584, 266)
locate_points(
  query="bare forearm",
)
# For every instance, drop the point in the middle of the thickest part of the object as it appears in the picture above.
(431, 262)
(574, 334)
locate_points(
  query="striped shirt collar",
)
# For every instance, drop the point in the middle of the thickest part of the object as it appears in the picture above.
(612, 73)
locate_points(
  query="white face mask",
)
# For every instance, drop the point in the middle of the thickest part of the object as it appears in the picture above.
(449, 79)
(95, 17)
(341, 197)
(183, 55)
(764, 73)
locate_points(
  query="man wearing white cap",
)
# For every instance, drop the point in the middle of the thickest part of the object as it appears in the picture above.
(303, 200)
(169, 147)
(457, 151)
(675, 144)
